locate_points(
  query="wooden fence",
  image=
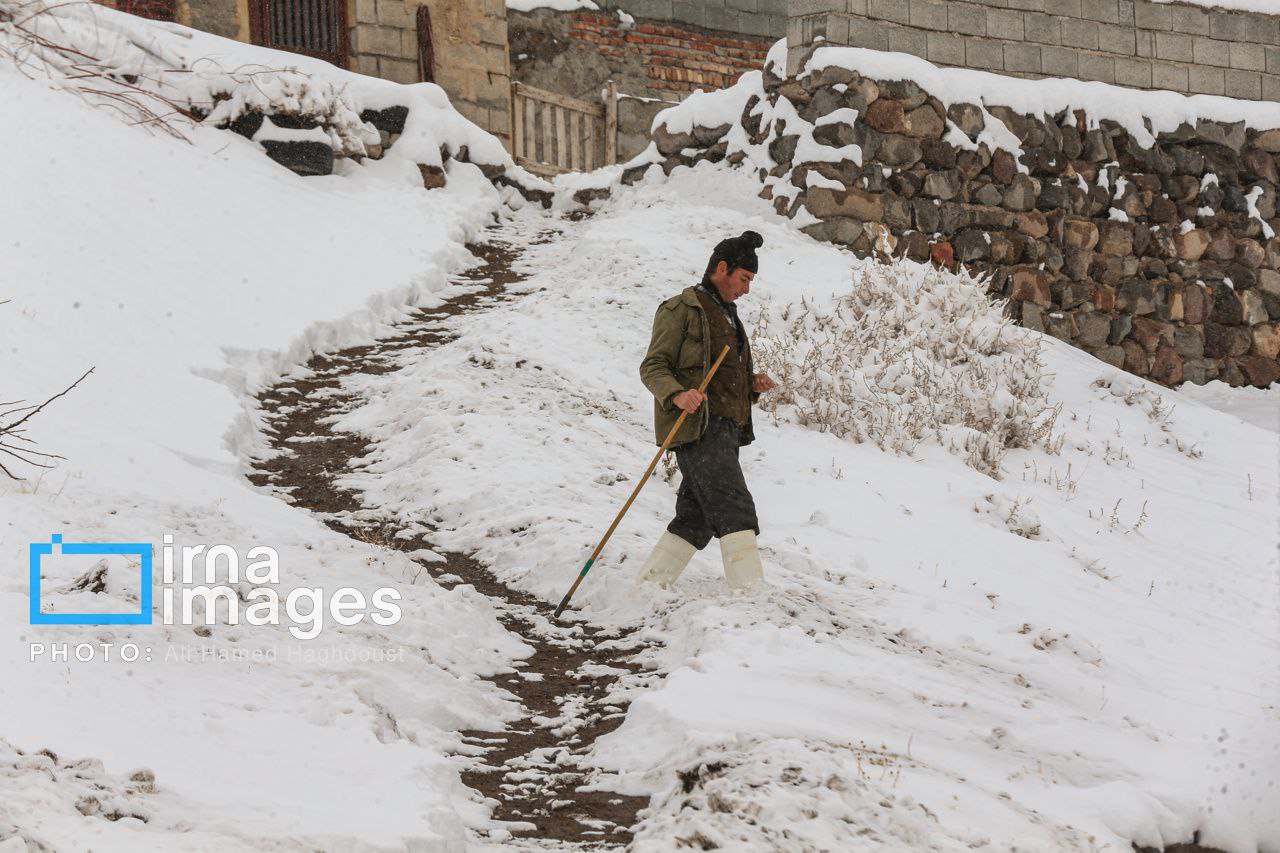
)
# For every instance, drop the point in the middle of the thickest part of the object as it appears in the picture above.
(553, 133)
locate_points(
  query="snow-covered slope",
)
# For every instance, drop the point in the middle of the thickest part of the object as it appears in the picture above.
(1253, 405)
(186, 275)
(918, 675)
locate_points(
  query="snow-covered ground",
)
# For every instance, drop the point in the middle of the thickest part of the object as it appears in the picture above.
(916, 675)
(1257, 406)
(188, 275)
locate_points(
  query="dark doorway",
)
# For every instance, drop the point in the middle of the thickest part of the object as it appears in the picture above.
(426, 53)
(311, 27)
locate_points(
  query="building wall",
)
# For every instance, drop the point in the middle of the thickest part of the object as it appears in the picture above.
(1138, 43)
(654, 63)
(764, 18)
(676, 59)
(226, 18)
(469, 38)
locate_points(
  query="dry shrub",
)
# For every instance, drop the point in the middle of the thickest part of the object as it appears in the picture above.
(14, 441)
(118, 67)
(911, 355)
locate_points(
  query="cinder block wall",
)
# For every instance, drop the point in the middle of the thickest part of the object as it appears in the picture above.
(747, 17)
(1138, 43)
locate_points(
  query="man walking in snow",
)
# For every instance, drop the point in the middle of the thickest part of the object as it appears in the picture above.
(689, 332)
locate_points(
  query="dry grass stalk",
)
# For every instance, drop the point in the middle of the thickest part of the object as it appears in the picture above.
(910, 355)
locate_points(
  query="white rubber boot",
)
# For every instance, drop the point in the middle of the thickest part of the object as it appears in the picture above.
(666, 561)
(742, 566)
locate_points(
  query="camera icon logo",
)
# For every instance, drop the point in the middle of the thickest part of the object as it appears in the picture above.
(55, 546)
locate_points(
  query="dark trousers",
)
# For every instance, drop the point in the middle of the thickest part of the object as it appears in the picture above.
(713, 499)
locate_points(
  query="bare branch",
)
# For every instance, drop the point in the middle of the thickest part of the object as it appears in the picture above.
(21, 453)
(5, 428)
(68, 65)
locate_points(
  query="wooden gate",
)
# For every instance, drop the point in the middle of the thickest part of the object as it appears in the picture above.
(311, 27)
(553, 133)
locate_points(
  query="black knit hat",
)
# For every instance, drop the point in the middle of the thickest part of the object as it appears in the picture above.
(738, 252)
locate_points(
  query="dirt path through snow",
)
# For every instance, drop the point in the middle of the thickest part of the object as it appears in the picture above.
(532, 770)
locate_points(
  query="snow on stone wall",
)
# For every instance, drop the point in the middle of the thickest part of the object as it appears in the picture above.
(1138, 226)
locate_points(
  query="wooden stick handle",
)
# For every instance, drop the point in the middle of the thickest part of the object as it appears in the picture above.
(644, 478)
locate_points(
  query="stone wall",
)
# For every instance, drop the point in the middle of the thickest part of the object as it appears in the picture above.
(313, 157)
(1139, 43)
(1161, 261)
(469, 38)
(654, 63)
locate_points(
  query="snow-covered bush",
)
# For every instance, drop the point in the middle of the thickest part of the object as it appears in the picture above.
(226, 96)
(909, 355)
(168, 78)
(121, 62)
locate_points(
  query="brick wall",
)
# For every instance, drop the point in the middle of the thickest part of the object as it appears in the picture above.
(1135, 43)
(676, 59)
(654, 63)
(227, 18)
(158, 10)
(767, 18)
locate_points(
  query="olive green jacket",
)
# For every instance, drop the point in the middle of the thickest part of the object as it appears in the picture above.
(678, 358)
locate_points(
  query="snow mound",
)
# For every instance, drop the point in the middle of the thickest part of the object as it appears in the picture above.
(1258, 406)
(169, 78)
